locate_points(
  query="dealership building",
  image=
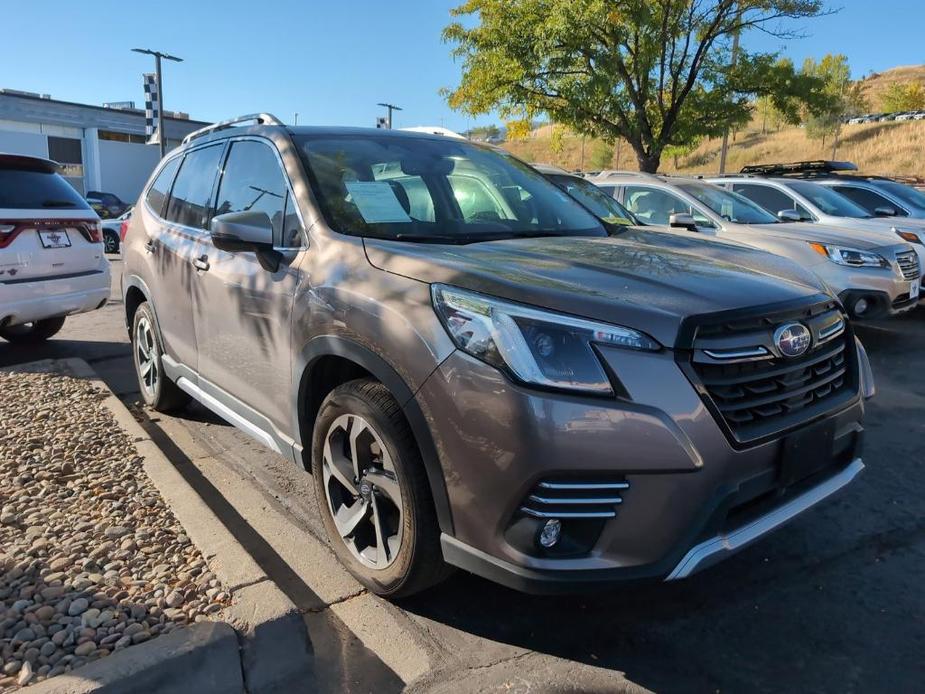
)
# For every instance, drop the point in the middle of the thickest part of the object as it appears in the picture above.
(100, 147)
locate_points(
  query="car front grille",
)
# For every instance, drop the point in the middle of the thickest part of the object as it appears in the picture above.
(755, 390)
(575, 498)
(908, 262)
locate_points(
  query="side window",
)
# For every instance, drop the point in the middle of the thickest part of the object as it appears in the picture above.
(868, 199)
(610, 190)
(192, 191)
(769, 198)
(655, 206)
(475, 201)
(157, 193)
(254, 182)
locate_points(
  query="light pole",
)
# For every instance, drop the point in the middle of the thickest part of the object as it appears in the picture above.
(161, 136)
(391, 108)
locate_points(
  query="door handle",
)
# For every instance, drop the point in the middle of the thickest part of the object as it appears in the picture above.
(201, 263)
(150, 246)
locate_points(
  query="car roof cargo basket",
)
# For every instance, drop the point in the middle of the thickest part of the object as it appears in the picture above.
(258, 118)
(799, 168)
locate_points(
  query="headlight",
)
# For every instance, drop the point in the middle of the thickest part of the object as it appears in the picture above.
(533, 346)
(909, 236)
(850, 256)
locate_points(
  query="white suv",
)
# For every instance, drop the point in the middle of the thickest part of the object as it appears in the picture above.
(51, 251)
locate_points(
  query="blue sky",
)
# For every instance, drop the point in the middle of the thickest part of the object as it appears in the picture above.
(329, 61)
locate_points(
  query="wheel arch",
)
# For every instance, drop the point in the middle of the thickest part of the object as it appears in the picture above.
(357, 361)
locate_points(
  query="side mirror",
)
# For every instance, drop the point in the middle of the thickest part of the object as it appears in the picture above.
(885, 211)
(681, 220)
(242, 231)
(789, 216)
(236, 232)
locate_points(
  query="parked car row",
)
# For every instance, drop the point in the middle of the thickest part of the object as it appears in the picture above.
(548, 381)
(886, 117)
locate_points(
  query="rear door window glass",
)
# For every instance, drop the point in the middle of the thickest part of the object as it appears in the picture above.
(160, 189)
(191, 197)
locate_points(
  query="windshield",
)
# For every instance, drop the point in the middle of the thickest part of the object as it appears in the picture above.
(904, 193)
(434, 189)
(600, 203)
(730, 206)
(828, 200)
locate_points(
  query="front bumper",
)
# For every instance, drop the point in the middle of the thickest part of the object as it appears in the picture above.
(24, 302)
(690, 489)
(884, 290)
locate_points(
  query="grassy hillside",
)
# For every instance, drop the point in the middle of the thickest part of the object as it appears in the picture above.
(877, 148)
(876, 84)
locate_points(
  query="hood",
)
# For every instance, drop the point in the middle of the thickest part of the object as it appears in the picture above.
(646, 280)
(864, 239)
(878, 225)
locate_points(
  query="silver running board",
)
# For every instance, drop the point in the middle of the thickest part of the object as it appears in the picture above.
(711, 551)
(227, 413)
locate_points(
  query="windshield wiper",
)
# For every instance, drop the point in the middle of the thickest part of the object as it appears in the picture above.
(58, 203)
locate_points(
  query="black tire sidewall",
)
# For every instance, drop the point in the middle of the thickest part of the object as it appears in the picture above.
(145, 311)
(40, 331)
(343, 401)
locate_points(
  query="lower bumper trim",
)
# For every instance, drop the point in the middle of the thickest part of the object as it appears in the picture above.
(716, 548)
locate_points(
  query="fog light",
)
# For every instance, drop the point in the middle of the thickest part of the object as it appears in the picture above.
(550, 533)
(860, 306)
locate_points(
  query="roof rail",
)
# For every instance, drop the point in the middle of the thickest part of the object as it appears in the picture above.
(259, 118)
(799, 167)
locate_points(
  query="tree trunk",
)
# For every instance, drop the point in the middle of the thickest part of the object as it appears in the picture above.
(648, 161)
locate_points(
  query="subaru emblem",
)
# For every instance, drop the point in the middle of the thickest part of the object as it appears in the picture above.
(793, 339)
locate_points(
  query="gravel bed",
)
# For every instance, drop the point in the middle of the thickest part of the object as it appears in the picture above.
(91, 558)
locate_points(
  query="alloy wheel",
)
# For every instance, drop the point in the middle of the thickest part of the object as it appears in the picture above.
(146, 356)
(362, 490)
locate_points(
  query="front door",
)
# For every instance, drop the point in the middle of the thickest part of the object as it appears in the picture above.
(242, 310)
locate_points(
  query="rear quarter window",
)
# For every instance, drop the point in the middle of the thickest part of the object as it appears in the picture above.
(37, 190)
(160, 189)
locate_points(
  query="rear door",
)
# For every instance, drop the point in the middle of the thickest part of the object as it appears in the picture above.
(243, 310)
(47, 231)
(177, 209)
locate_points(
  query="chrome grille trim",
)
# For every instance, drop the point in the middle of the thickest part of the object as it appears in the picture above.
(574, 498)
(908, 262)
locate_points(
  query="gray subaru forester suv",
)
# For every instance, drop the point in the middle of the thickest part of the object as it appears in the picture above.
(475, 373)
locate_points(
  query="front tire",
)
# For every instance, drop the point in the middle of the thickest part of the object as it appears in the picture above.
(34, 332)
(110, 242)
(373, 492)
(157, 390)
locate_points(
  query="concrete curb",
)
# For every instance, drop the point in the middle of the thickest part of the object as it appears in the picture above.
(202, 657)
(274, 648)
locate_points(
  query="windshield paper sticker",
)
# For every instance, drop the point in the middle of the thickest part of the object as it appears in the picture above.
(377, 202)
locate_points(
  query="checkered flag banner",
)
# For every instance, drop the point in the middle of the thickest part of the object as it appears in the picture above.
(152, 103)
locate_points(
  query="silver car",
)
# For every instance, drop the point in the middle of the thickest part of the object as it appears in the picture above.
(873, 274)
(807, 201)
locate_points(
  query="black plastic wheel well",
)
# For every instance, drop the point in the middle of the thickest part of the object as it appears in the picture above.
(134, 298)
(323, 376)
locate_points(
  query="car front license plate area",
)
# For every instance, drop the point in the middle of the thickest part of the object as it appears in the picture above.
(806, 452)
(54, 238)
(914, 290)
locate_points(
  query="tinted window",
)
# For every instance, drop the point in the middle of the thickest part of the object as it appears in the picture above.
(254, 182)
(421, 188)
(654, 206)
(907, 194)
(192, 191)
(600, 203)
(868, 199)
(35, 190)
(828, 200)
(767, 197)
(160, 189)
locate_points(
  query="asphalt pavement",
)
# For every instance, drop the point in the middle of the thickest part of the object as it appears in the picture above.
(832, 602)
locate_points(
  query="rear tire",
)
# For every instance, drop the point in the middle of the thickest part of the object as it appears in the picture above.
(34, 332)
(157, 390)
(380, 491)
(110, 242)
